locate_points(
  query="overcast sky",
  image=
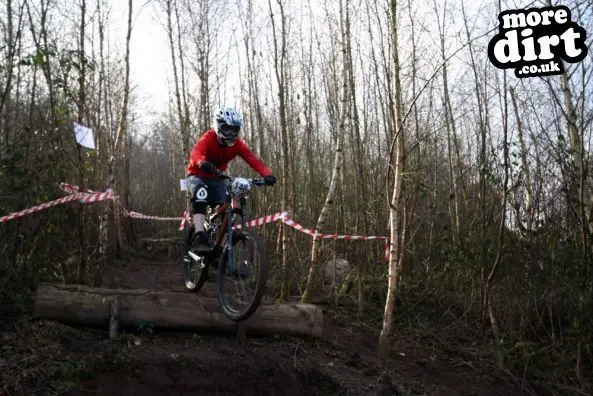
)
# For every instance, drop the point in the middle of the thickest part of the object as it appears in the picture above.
(151, 59)
(150, 56)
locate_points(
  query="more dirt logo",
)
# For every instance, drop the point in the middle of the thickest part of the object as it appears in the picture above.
(535, 41)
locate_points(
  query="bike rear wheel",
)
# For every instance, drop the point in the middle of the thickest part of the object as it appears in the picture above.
(195, 272)
(242, 275)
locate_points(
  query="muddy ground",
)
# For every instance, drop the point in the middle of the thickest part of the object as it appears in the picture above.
(44, 358)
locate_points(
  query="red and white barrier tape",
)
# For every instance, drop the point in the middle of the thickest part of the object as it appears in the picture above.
(87, 197)
(82, 197)
(137, 215)
(291, 223)
(185, 220)
(91, 197)
(285, 218)
(73, 189)
(262, 220)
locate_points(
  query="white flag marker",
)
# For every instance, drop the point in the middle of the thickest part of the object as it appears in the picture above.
(84, 136)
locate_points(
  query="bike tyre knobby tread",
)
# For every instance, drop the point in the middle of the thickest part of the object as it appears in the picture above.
(262, 278)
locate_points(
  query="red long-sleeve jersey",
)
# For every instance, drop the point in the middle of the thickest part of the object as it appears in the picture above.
(208, 149)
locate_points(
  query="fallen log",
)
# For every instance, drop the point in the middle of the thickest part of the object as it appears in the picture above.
(163, 240)
(82, 305)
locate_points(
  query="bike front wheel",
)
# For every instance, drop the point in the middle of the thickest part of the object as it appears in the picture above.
(242, 275)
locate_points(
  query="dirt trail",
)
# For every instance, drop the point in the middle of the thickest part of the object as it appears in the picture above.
(158, 363)
(342, 364)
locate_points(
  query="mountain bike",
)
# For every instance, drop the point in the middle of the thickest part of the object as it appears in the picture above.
(239, 254)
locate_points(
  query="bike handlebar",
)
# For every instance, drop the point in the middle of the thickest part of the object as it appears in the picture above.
(222, 175)
(255, 181)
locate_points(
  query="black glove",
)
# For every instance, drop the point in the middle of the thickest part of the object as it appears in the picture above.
(208, 167)
(270, 180)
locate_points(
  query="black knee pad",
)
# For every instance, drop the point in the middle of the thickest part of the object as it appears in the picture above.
(199, 198)
(199, 193)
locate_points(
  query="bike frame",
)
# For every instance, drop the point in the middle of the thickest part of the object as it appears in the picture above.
(226, 224)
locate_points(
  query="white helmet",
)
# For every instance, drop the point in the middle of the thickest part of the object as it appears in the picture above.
(227, 125)
(240, 186)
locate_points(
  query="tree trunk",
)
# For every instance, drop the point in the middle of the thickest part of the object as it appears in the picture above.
(527, 222)
(585, 204)
(126, 194)
(180, 108)
(83, 305)
(185, 121)
(81, 217)
(360, 163)
(283, 94)
(454, 171)
(396, 210)
(483, 118)
(120, 135)
(502, 227)
(336, 171)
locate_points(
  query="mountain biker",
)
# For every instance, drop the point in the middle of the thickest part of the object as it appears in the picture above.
(214, 150)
